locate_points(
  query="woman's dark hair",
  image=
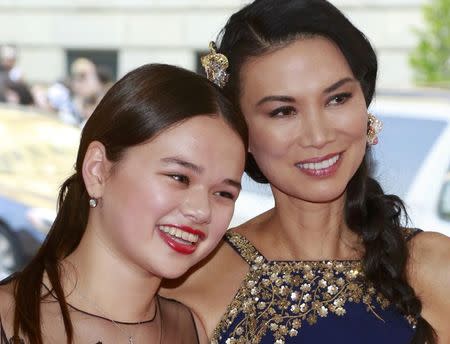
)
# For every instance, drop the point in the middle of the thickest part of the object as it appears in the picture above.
(266, 25)
(142, 104)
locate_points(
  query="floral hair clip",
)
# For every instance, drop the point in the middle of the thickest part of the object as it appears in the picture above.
(215, 65)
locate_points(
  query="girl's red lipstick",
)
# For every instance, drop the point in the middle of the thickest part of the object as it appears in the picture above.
(172, 235)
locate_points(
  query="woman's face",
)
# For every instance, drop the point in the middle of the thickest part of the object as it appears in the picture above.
(169, 201)
(307, 118)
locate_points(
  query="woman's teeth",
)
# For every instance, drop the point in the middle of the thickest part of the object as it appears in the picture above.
(180, 234)
(319, 165)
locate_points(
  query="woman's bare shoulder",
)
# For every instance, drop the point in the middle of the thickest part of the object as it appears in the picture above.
(429, 274)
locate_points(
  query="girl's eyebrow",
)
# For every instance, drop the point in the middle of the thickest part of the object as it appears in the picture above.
(198, 169)
(174, 160)
(234, 183)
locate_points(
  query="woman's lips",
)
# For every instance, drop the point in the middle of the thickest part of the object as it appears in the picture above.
(182, 239)
(321, 166)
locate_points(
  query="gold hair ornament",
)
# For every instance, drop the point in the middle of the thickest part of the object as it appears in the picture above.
(374, 126)
(215, 65)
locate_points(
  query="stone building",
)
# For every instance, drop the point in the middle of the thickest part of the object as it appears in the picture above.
(124, 34)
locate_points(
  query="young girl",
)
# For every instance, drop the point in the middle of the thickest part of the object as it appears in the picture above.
(156, 178)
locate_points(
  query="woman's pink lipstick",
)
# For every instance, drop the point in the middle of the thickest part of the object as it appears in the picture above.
(177, 244)
(324, 166)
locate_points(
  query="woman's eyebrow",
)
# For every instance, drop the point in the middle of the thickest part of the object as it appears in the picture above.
(285, 99)
(338, 84)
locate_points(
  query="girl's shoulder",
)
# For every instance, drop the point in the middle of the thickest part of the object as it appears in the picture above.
(6, 307)
(6, 297)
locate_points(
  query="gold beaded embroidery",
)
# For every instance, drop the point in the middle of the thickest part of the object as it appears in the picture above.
(280, 296)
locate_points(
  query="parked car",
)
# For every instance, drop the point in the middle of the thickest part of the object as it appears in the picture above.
(37, 153)
(413, 161)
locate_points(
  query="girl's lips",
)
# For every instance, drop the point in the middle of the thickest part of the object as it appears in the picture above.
(177, 245)
(182, 239)
(188, 229)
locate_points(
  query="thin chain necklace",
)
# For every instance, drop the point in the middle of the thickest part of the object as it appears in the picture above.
(131, 337)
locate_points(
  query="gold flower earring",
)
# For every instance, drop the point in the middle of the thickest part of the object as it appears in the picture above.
(374, 126)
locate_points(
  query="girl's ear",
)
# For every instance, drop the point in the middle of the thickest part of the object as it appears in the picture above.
(96, 168)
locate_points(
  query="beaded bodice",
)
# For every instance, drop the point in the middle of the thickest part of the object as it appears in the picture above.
(305, 302)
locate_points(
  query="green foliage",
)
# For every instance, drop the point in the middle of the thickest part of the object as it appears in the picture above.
(431, 58)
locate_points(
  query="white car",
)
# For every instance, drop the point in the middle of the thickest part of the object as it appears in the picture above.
(413, 162)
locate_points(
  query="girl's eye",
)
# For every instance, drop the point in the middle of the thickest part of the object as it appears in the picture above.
(339, 99)
(283, 111)
(226, 194)
(180, 178)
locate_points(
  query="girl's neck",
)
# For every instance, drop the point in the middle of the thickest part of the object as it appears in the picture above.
(95, 278)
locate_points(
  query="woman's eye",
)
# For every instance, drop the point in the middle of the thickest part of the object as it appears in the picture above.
(283, 111)
(339, 99)
(180, 178)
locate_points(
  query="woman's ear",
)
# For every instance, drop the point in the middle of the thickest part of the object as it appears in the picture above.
(96, 168)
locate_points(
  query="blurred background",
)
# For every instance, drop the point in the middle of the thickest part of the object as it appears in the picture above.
(59, 57)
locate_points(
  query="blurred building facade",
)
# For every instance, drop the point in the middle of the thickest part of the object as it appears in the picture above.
(124, 34)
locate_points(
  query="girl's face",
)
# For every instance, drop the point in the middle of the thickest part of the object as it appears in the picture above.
(307, 118)
(168, 202)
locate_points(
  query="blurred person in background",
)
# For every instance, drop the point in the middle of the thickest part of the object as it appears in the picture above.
(3, 79)
(156, 178)
(84, 84)
(58, 98)
(8, 62)
(91, 101)
(75, 98)
(18, 92)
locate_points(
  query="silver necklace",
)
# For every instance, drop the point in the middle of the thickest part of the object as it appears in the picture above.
(131, 337)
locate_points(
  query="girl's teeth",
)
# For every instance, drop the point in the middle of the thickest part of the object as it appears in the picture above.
(178, 233)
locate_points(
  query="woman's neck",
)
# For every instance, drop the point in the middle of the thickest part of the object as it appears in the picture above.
(300, 230)
(95, 279)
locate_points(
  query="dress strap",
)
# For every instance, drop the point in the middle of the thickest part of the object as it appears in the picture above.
(244, 248)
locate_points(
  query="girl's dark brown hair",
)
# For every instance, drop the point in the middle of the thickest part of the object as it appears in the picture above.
(264, 26)
(145, 102)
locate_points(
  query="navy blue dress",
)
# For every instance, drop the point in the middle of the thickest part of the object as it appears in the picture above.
(308, 302)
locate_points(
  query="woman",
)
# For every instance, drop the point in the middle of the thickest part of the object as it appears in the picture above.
(331, 263)
(156, 177)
